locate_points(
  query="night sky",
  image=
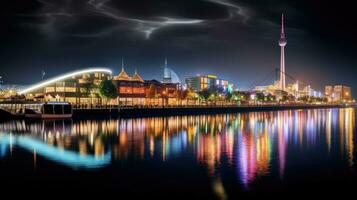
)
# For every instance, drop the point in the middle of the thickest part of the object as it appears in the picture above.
(237, 40)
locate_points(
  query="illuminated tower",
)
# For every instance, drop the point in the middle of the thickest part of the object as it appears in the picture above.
(282, 44)
(167, 74)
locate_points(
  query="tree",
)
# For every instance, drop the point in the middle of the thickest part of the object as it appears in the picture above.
(213, 95)
(270, 98)
(228, 96)
(88, 88)
(259, 96)
(191, 95)
(204, 95)
(181, 95)
(108, 90)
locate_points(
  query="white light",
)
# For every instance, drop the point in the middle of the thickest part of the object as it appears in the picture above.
(59, 78)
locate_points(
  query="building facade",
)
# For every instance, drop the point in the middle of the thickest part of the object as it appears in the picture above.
(338, 93)
(209, 82)
(158, 93)
(131, 89)
(78, 87)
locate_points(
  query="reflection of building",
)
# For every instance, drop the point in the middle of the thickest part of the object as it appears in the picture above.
(76, 87)
(338, 93)
(255, 143)
(202, 82)
(131, 89)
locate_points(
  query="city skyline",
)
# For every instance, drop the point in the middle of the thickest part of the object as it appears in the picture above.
(233, 39)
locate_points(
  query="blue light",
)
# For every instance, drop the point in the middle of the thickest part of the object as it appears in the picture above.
(68, 158)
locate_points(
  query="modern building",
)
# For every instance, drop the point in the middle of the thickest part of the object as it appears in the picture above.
(131, 89)
(202, 82)
(167, 74)
(338, 93)
(78, 87)
(282, 44)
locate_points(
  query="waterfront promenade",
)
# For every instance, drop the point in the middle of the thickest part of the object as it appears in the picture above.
(154, 111)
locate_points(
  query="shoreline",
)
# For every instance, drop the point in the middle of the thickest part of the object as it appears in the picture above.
(138, 112)
(179, 111)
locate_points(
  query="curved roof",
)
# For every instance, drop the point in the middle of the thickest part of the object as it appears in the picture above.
(122, 76)
(137, 77)
(63, 77)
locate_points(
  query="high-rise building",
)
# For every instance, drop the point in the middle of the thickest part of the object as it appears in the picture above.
(167, 74)
(282, 44)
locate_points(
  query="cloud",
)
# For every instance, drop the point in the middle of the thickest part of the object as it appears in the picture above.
(58, 16)
(144, 19)
(145, 26)
(234, 9)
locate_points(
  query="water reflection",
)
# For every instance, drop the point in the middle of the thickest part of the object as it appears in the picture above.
(253, 144)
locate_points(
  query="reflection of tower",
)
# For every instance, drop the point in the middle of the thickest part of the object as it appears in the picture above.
(282, 44)
(167, 74)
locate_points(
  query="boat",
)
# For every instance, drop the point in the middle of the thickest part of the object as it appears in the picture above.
(50, 110)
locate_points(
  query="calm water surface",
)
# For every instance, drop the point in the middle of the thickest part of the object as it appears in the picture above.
(215, 156)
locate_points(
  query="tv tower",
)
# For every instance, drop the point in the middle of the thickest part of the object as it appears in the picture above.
(282, 44)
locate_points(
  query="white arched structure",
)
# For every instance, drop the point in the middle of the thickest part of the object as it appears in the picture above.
(63, 77)
(174, 77)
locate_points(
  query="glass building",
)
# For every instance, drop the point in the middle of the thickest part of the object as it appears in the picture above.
(202, 82)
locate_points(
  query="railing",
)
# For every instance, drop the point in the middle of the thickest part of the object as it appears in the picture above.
(205, 106)
(16, 108)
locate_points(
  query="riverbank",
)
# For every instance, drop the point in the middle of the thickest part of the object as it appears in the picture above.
(131, 112)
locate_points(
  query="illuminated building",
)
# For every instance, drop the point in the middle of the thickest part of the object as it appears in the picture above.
(282, 44)
(281, 83)
(329, 92)
(131, 89)
(338, 93)
(167, 91)
(76, 87)
(202, 82)
(167, 74)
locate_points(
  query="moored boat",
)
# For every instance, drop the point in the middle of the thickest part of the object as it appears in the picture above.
(50, 110)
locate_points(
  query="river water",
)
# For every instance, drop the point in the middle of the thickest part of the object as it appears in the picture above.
(219, 156)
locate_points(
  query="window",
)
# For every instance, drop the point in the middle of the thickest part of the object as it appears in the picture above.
(70, 89)
(59, 89)
(49, 89)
